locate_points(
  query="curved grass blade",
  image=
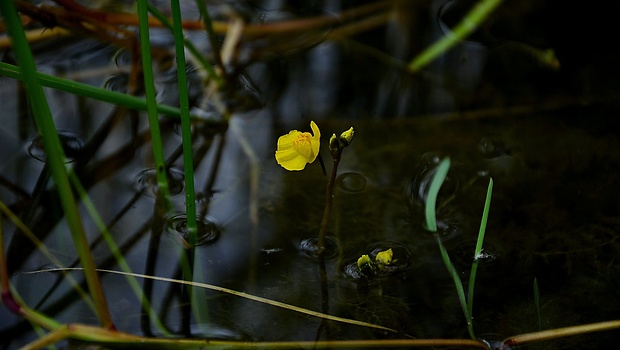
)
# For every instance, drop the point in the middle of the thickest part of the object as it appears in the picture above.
(431, 198)
(232, 292)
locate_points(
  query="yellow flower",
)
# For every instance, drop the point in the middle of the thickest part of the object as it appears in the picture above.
(385, 257)
(296, 149)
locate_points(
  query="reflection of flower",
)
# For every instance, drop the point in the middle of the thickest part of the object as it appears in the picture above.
(296, 149)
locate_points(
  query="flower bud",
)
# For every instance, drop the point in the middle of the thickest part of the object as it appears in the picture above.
(346, 137)
(364, 264)
(334, 144)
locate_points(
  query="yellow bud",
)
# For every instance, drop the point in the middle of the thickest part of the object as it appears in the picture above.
(364, 263)
(347, 136)
(334, 144)
(385, 257)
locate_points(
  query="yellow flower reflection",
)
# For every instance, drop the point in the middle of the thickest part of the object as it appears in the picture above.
(296, 149)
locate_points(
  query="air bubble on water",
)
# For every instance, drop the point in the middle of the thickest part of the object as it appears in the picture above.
(419, 187)
(117, 82)
(71, 145)
(208, 230)
(146, 182)
(309, 248)
(351, 182)
(464, 253)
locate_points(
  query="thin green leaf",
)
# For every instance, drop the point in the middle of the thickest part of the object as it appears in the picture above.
(431, 198)
(478, 250)
(149, 89)
(85, 90)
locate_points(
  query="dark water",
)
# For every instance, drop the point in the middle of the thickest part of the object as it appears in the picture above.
(547, 137)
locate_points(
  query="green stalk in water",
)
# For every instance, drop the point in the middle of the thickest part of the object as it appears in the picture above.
(198, 300)
(55, 157)
(186, 130)
(151, 103)
(478, 251)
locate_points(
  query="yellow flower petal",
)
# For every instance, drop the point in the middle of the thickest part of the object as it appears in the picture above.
(316, 140)
(296, 149)
(384, 257)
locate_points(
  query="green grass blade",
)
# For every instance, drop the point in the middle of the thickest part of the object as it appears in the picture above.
(86, 90)
(431, 198)
(200, 310)
(468, 25)
(431, 225)
(149, 89)
(537, 303)
(186, 130)
(460, 291)
(55, 157)
(478, 251)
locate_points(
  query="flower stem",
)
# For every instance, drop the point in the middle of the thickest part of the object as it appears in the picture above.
(329, 199)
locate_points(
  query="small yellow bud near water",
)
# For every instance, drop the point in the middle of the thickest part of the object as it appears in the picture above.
(296, 149)
(384, 258)
(364, 263)
(347, 136)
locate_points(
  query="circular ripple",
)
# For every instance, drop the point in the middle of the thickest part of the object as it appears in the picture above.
(464, 254)
(208, 230)
(71, 145)
(351, 182)
(147, 182)
(308, 247)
